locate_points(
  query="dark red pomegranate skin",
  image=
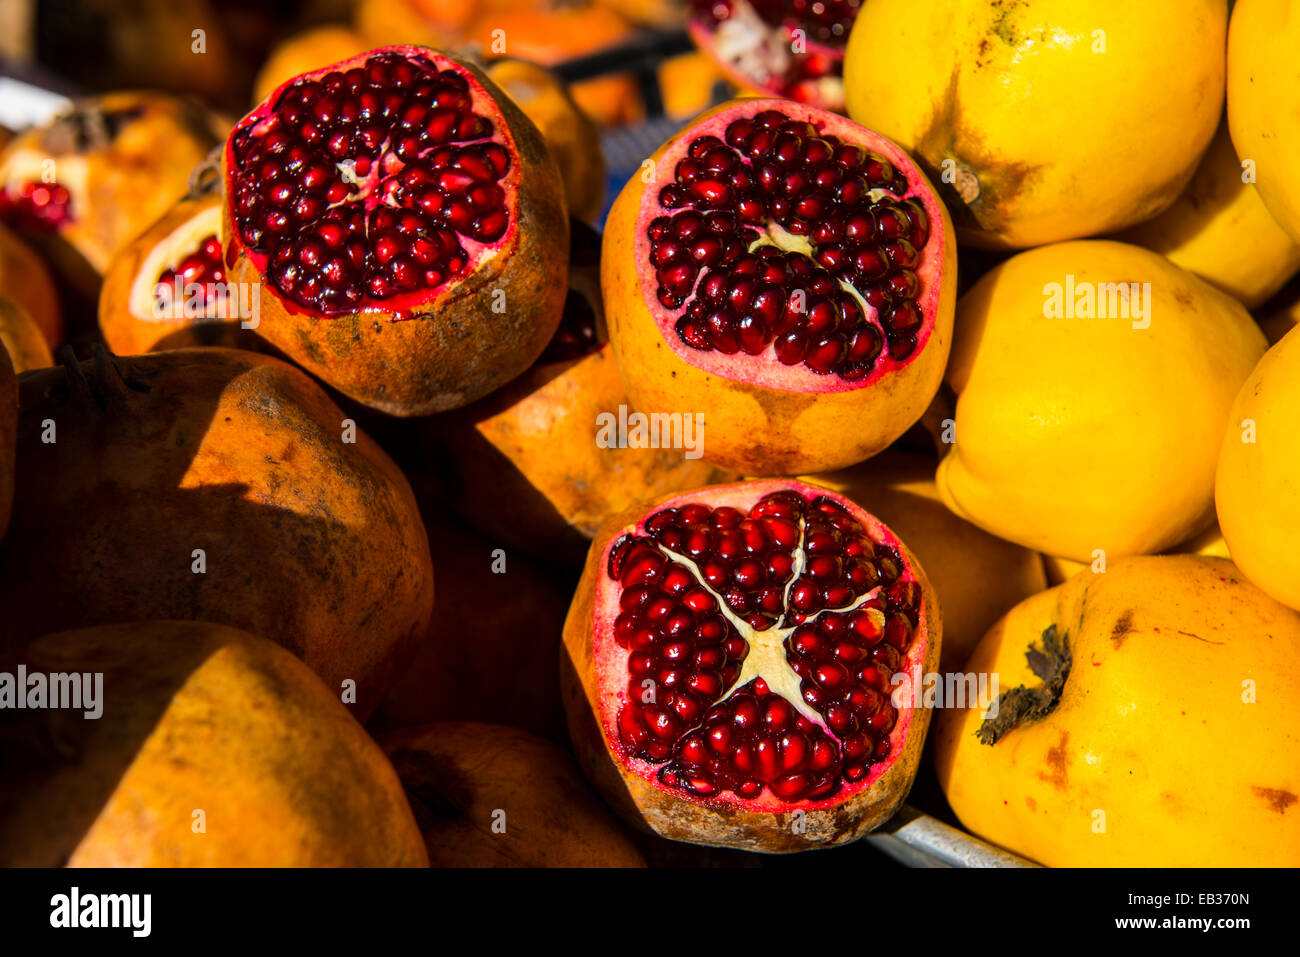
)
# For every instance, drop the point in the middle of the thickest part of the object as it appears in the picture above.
(780, 630)
(412, 257)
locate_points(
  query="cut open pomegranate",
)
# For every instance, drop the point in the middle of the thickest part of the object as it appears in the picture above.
(167, 288)
(793, 254)
(788, 48)
(408, 223)
(742, 652)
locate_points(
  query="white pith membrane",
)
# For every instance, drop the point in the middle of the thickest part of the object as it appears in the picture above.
(766, 659)
(431, 243)
(885, 193)
(169, 255)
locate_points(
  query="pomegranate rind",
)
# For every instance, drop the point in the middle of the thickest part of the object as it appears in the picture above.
(456, 347)
(530, 473)
(126, 322)
(240, 455)
(594, 681)
(198, 715)
(757, 429)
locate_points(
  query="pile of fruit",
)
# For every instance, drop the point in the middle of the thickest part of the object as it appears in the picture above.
(955, 352)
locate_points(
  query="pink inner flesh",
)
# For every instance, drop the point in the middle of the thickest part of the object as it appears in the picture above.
(798, 568)
(845, 304)
(372, 184)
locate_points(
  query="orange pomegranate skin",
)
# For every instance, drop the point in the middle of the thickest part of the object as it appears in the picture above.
(214, 748)
(219, 485)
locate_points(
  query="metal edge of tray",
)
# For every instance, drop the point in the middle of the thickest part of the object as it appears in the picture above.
(916, 839)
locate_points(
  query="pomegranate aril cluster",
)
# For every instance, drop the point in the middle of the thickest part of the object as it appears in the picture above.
(739, 295)
(788, 564)
(752, 740)
(204, 267)
(365, 184)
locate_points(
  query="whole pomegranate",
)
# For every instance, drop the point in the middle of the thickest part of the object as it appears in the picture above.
(118, 162)
(218, 485)
(1027, 111)
(1115, 690)
(531, 468)
(490, 796)
(789, 275)
(742, 667)
(26, 280)
(1264, 101)
(407, 225)
(167, 288)
(195, 717)
(787, 48)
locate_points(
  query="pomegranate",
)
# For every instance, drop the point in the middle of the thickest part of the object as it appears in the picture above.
(529, 469)
(788, 273)
(25, 279)
(488, 796)
(119, 161)
(407, 223)
(149, 300)
(788, 48)
(740, 653)
(195, 717)
(218, 485)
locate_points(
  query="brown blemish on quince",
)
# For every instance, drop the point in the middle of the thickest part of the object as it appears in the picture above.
(1057, 760)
